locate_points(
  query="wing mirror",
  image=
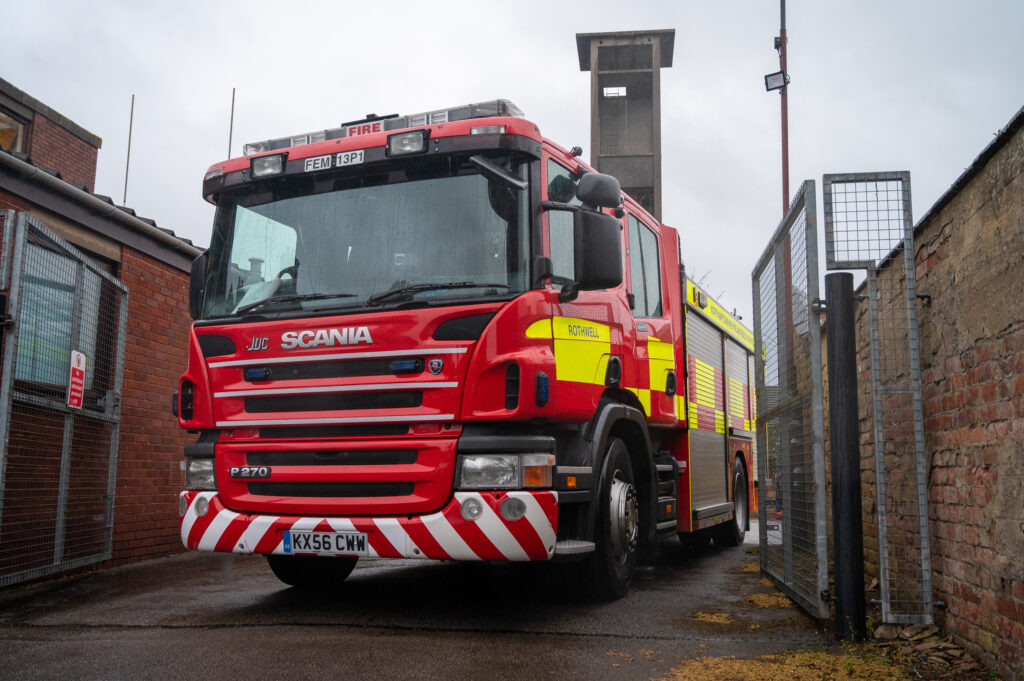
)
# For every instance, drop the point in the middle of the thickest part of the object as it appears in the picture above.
(596, 190)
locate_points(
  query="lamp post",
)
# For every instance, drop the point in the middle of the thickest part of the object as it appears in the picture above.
(779, 81)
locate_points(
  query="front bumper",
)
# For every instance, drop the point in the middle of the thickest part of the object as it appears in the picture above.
(444, 535)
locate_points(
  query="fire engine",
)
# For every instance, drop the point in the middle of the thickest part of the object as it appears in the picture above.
(443, 336)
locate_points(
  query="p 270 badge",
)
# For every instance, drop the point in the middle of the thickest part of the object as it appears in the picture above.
(249, 472)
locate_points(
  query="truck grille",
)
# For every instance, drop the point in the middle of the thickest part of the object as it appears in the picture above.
(374, 457)
(400, 477)
(384, 366)
(396, 399)
(300, 432)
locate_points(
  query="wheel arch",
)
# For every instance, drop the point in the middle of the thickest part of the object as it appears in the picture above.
(629, 424)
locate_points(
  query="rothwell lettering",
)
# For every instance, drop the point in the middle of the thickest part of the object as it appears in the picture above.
(583, 331)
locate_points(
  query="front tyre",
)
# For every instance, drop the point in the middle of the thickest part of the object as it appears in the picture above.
(308, 572)
(733, 532)
(617, 532)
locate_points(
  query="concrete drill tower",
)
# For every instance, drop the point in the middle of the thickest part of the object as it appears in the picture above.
(625, 107)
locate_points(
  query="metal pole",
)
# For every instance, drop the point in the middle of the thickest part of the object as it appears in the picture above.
(844, 439)
(231, 128)
(785, 109)
(127, 160)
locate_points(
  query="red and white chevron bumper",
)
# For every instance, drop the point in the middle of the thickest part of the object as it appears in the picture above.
(445, 535)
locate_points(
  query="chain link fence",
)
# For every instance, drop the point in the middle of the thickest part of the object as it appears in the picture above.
(869, 226)
(59, 429)
(790, 441)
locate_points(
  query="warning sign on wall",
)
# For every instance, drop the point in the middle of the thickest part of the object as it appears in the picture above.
(76, 382)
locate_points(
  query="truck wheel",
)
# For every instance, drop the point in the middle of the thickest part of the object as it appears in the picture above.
(312, 571)
(733, 532)
(617, 532)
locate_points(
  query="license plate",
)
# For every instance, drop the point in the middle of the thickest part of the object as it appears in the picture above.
(326, 543)
(348, 158)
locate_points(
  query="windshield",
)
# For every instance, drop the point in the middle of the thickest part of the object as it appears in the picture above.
(429, 229)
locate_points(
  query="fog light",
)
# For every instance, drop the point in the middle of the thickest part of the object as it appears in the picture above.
(472, 509)
(512, 509)
(202, 506)
(182, 505)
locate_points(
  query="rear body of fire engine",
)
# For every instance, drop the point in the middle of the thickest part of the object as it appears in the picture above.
(443, 336)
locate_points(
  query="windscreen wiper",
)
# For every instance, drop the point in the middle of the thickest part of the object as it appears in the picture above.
(289, 298)
(378, 298)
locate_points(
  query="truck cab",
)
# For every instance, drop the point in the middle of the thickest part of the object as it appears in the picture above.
(436, 336)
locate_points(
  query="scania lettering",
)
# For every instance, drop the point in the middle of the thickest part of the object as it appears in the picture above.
(327, 337)
(488, 352)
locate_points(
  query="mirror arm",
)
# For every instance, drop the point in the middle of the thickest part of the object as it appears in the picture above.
(493, 171)
(556, 205)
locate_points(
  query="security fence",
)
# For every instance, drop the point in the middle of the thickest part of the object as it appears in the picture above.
(790, 441)
(60, 392)
(869, 226)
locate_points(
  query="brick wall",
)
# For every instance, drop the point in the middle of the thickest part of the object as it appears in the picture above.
(970, 260)
(51, 146)
(151, 443)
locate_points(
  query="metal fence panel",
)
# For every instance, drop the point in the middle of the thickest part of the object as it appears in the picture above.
(6, 238)
(790, 428)
(57, 464)
(869, 225)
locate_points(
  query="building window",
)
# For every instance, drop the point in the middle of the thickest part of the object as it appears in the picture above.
(615, 91)
(12, 132)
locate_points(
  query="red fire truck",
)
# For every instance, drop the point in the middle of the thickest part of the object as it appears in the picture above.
(443, 336)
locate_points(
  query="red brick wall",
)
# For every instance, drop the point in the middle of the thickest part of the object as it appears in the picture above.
(51, 146)
(151, 443)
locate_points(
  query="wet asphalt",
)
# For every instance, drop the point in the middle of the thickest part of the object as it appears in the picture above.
(220, 616)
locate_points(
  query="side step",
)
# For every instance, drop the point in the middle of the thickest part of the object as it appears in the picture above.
(571, 547)
(668, 493)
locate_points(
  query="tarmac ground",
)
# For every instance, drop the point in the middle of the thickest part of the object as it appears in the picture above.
(227, 616)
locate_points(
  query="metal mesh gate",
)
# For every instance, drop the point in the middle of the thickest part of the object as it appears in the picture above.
(790, 444)
(869, 225)
(57, 469)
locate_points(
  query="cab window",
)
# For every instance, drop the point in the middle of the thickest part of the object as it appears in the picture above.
(644, 270)
(561, 187)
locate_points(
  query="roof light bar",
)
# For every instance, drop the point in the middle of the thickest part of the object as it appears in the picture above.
(494, 107)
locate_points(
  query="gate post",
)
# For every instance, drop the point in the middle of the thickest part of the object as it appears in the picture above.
(844, 440)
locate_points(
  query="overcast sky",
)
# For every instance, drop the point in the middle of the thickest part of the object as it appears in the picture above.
(918, 85)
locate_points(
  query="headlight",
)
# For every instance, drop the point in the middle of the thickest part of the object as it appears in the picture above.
(199, 475)
(490, 471)
(506, 471)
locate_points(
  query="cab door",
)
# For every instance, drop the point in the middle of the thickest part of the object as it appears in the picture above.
(595, 329)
